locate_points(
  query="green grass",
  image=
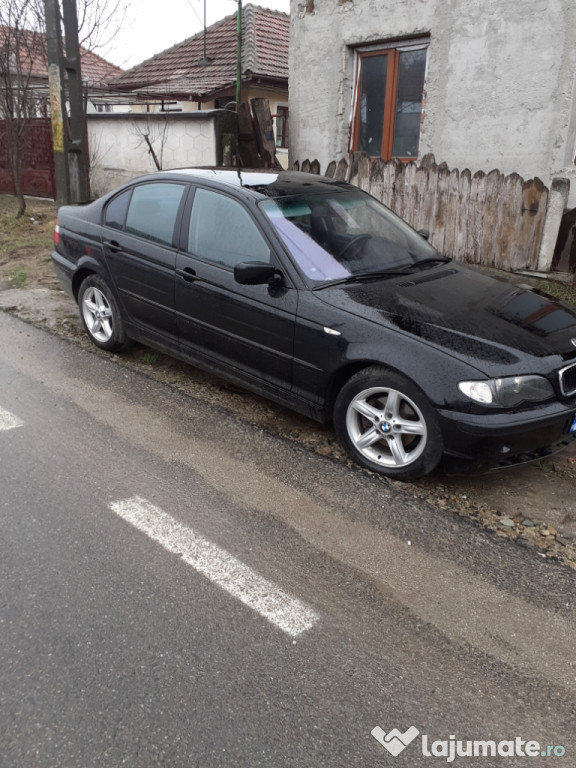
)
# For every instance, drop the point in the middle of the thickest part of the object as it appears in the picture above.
(562, 291)
(26, 243)
(18, 279)
(149, 358)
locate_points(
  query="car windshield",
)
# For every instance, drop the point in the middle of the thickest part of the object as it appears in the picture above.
(345, 234)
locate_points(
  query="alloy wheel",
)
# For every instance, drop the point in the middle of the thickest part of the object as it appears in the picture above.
(97, 314)
(386, 427)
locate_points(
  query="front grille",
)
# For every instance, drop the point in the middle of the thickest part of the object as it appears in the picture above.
(568, 380)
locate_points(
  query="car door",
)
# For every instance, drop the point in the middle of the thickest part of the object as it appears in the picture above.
(140, 250)
(248, 330)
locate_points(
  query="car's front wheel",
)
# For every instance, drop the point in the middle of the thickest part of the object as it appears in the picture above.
(100, 314)
(388, 425)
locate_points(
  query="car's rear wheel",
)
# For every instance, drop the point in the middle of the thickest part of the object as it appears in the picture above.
(100, 314)
(388, 425)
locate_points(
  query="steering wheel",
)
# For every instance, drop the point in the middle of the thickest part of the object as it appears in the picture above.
(355, 241)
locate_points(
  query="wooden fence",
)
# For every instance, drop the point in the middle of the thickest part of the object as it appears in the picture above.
(488, 219)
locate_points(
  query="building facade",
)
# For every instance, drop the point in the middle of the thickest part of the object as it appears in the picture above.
(479, 85)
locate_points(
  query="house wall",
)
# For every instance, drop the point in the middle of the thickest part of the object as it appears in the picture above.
(118, 150)
(500, 88)
(276, 98)
(248, 92)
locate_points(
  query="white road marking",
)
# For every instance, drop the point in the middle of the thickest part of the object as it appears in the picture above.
(286, 612)
(8, 420)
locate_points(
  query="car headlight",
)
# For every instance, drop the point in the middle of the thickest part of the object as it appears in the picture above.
(508, 392)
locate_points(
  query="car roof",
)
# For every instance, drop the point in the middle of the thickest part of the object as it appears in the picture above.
(263, 183)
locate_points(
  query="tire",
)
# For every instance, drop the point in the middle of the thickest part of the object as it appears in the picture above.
(387, 424)
(100, 314)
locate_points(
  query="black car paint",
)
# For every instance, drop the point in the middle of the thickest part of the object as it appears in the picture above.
(437, 327)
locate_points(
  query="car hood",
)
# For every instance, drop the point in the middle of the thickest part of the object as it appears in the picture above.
(467, 313)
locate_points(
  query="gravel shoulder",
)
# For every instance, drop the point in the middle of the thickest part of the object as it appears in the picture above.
(533, 505)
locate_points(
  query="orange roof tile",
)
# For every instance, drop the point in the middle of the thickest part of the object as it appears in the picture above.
(181, 70)
(32, 53)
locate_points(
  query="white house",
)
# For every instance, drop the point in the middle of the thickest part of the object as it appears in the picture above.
(481, 85)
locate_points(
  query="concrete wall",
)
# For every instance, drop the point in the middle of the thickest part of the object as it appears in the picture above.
(500, 87)
(119, 153)
(276, 98)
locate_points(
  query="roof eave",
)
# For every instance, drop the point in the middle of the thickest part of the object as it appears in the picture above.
(155, 90)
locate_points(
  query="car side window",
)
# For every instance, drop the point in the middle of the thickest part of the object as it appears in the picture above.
(115, 214)
(152, 211)
(223, 232)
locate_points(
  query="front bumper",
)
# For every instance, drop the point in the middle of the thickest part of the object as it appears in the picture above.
(482, 442)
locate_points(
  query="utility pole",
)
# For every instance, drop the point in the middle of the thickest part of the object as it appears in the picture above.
(78, 145)
(57, 101)
(69, 139)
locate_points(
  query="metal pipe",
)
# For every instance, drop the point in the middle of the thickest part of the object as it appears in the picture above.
(205, 59)
(239, 58)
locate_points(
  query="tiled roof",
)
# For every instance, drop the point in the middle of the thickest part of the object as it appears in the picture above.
(32, 47)
(96, 69)
(181, 70)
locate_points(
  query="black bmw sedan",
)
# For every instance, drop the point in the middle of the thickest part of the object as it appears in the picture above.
(311, 292)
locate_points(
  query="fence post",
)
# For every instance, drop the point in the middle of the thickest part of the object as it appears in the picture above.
(557, 203)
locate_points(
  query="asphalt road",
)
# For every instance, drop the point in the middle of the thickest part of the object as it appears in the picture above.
(180, 589)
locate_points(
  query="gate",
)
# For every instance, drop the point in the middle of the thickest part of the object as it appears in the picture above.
(37, 176)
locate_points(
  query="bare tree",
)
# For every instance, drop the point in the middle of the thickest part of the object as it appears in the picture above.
(153, 135)
(18, 59)
(23, 59)
(97, 155)
(99, 21)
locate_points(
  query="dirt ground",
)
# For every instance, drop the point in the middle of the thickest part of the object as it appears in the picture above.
(534, 505)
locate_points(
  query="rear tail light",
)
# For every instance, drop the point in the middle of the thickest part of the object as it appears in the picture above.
(56, 233)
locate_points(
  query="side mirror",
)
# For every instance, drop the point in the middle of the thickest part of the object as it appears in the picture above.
(424, 233)
(256, 273)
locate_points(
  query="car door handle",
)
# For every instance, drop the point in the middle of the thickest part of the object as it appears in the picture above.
(188, 274)
(113, 246)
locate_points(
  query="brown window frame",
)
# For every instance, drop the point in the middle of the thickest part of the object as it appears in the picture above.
(282, 135)
(392, 50)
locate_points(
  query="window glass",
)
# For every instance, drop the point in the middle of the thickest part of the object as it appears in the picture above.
(152, 211)
(411, 71)
(372, 93)
(332, 236)
(223, 232)
(282, 127)
(390, 90)
(115, 215)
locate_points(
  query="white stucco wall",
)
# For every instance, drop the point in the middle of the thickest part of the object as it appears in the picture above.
(500, 89)
(118, 152)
